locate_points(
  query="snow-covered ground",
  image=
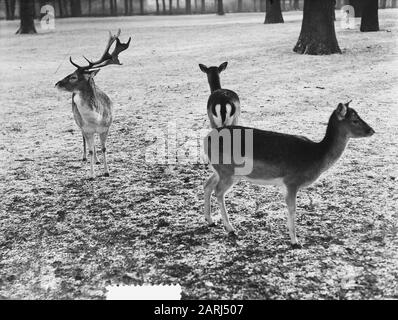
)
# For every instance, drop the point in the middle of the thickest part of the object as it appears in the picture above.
(63, 236)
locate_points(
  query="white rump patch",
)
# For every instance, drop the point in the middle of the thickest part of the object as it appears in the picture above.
(217, 118)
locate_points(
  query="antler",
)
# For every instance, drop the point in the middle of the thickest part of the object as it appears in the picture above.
(107, 58)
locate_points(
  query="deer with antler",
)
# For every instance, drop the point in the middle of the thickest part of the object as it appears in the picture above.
(92, 108)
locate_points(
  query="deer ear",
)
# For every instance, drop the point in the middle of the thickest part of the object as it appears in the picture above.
(222, 67)
(341, 111)
(203, 68)
(91, 74)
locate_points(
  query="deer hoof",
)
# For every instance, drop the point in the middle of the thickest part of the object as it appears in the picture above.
(296, 246)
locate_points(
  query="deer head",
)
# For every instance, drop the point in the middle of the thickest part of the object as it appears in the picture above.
(84, 75)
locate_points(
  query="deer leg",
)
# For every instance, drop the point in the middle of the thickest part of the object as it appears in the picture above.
(209, 187)
(291, 195)
(221, 189)
(84, 149)
(95, 156)
(103, 137)
(90, 145)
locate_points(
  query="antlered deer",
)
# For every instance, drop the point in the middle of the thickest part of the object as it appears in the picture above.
(92, 108)
(223, 105)
(277, 159)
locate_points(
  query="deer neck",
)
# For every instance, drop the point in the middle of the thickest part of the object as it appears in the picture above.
(214, 83)
(333, 144)
(86, 97)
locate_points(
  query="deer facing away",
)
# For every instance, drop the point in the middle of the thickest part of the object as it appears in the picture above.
(92, 108)
(278, 159)
(223, 105)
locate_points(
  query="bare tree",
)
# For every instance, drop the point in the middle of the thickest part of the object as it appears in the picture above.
(10, 9)
(164, 6)
(157, 7)
(27, 14)
(240, 5)
(142, 6)
(188, 7)
(383, 4)
(273, 12)
(203, 6)
(170, 6)
(75, 8)
(370, 17)
(220, 7)
(317, 35)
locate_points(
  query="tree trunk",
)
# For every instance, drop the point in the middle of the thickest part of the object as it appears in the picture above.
(296, 5)
(131, 8)
(157, 7)
(170, 6)
(89, 7)
(103, 7)
(273, 12)
(333, 10)
(370, 17)
(220, 7)
(240, 5)
(393, 3)
(27, 14)
(283, 5)
(203, 6)
(164, 6)
(357, 4)
(10, 9)
(142, 6)
(188, 6)
(75, 8)
(317, 34)
(263, 5)
(178, 6)
(383, 4)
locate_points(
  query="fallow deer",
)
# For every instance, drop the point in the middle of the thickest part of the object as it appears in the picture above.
(223, 105)
(92, 108)
(277, 159)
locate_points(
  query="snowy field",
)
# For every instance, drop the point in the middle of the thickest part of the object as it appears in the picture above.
(65, 237)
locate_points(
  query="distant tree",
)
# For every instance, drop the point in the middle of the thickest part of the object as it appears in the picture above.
(317, 35)
(220, 7)
(240, 5)
(131, 7)
(103, 7)
(170, 6)
(370, 17)
(296, 5)
(157, 7)
(75, 8)
(188, 7)
(333, 10)
(383, 4)
(263, 5)
(89, 7)
(27, 15)
(273, 12)
(178, 5)
(393, 3)
(142, 6)
(164, 6)
(283, 5)
(357, 7)
(203, 6)
(10, 9)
